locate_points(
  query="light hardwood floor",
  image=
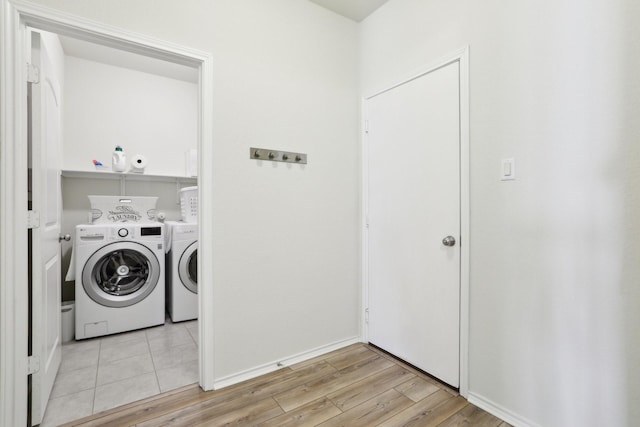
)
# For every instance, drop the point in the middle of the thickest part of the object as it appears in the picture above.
(355, 386)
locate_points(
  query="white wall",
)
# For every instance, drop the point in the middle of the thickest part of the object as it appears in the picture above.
(144, 113)
(554, 255)
(286, 258)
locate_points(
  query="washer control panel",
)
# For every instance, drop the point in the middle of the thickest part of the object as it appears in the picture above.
(137, 232)
(92, 233)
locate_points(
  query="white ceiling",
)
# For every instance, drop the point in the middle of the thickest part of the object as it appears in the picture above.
(352, 9)
(121, 58)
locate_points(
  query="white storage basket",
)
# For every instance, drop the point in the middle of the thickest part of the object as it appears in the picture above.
(189, 204)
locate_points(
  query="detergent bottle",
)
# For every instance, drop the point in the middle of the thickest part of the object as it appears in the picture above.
(118, 160)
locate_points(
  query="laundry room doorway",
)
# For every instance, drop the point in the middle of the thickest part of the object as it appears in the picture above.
(21, 19)
(117, 286)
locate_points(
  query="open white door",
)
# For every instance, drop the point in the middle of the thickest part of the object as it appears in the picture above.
(45, 123)
(413, 144)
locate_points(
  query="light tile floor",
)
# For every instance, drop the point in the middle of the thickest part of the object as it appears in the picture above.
(103, 373)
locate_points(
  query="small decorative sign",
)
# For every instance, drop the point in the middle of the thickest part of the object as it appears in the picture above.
(113, 209)
(124, 214)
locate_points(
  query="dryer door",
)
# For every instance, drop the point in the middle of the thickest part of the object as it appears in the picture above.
(120, 274)
(188, 268)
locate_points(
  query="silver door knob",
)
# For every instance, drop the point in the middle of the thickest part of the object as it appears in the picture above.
(449, 241)
(65, 237)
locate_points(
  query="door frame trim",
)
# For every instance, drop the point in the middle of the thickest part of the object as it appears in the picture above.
(462, 57)
(15, 16)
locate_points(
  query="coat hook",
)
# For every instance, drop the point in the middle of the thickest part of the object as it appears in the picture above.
(277, 156)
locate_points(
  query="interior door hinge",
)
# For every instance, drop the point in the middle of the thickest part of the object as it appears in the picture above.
(366, 221)
(366, 126)
(33, 364)
(33, 219)
(366, 315)
(33, 74)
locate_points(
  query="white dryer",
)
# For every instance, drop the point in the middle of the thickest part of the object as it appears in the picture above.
(182, 270)
(119, 278)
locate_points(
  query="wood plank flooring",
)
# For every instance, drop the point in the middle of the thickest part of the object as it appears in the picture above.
(355, 386)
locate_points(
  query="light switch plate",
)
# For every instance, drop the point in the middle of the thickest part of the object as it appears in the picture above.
(508, 170)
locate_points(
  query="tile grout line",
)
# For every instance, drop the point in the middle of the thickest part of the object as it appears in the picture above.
(155, 370)
(191, 335)
(95, 384)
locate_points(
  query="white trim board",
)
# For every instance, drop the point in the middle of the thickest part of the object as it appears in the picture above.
(499, 411)
(279, 364)
(16, 16)
(462, 57)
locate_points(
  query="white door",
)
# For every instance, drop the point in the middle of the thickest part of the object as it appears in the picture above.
(413, 144)
(45, 114)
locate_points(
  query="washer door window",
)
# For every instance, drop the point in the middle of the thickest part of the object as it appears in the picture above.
(120, 274)
(188, 268)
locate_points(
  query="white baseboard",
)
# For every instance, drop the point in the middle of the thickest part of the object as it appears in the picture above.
(279, 364)
(500, 412)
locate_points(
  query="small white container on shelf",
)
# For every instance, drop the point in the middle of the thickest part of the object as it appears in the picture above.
(189, 204)
(118, 160)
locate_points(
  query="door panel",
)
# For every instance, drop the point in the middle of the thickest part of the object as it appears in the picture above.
(45, 114)
(413, 203)
(51, 148)
(51, 311)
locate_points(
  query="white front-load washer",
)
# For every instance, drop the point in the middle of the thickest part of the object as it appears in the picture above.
(182, 270)
(119, 277)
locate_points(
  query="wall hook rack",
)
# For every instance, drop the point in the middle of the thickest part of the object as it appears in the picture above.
(277, 156)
